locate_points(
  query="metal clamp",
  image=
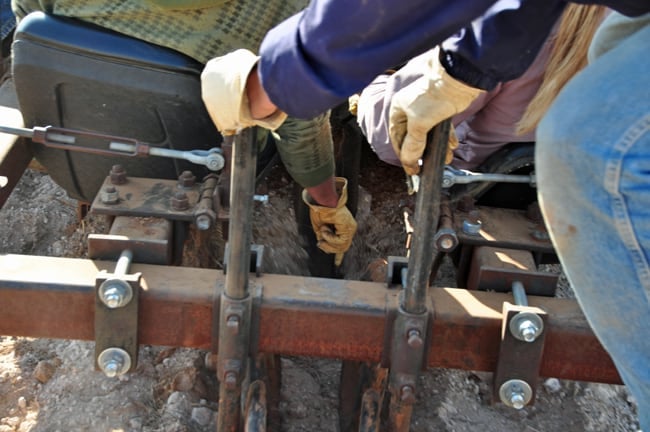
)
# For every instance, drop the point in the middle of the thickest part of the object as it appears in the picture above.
(116, 318)
(520, 352)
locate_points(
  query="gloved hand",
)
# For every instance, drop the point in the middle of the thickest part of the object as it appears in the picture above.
(419, 106)
(223, 89)
(334, 226)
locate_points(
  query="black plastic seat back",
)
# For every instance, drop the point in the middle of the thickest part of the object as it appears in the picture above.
(75, 75)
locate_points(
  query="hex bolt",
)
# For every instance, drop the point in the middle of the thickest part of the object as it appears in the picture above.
(116, 293)
(109, 195)
(472, 225)
(515, 393)
(230, 380)
(203, 222)
(525, 326)
(445, 240)
(528, 330)
(187, 179)
(232, 322)
(407, 394)
(117, 174)
(180, 201)
(114, 362)
(414, 339)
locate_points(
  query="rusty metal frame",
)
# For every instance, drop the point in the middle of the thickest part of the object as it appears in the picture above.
(299, 316)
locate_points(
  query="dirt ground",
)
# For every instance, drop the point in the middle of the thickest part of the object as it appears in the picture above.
(50, 385)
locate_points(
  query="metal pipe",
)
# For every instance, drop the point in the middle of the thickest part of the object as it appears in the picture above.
(242, 189)
(427, 210)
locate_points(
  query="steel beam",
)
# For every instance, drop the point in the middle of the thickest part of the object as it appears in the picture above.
(48, 297)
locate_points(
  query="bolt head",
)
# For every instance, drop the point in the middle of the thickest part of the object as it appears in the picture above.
(115, 293)
(230, 380)
(528, 331)
(203, 222)
(414, 339)
(114, 362)
(517, 400)
(407, 394)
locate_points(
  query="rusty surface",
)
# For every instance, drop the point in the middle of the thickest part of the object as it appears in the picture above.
(495, 269)
(53, 297)
(14, 156)
(518, 359)
(505, 228)
(117, 328)
(150, 240)
(147, 197)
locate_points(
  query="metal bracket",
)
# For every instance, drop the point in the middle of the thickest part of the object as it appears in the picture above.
(116, 318)
(408, 343)
(520, 355)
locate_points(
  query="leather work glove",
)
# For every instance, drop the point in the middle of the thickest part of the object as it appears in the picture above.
(223, 89)
(334, 226)
(419, 106)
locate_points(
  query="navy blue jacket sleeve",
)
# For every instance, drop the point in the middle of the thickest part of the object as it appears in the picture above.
(317, 58)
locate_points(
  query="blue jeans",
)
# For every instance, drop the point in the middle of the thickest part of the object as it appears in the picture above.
(593, 173)
(7, 18)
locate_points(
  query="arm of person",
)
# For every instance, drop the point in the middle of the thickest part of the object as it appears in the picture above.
(317, 58)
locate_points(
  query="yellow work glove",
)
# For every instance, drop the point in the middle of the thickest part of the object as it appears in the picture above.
(334, 226)
(418, 107)
(223, 89)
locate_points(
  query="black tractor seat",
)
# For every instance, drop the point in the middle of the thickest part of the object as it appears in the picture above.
(76, 75)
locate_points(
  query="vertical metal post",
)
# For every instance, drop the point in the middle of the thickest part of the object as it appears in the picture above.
(235, 305)
(427, 212)
(409, 332)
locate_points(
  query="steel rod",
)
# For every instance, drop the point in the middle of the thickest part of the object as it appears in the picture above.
(242, 189)
(427, 210)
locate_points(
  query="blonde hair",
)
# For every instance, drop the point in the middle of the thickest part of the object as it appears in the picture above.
(568, 56)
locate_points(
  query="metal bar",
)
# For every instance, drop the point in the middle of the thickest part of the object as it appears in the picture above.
(242, 189)
(299, 316)
(235, 314)
(427, 206)
(14, 155)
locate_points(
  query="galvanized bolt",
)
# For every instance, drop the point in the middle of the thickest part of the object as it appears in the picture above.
(114, 362)
(264, 199)
(528, 330)
(232, 322)
(407, 394)
(115, 293)
(109, 195)
(414, 339)
(515, 393)
(472, 225)
(230, 380)
(539, 232)
(118, 174)
(180, 201)
(203, 222)
(186, 179)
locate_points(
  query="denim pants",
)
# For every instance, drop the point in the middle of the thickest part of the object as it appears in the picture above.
(593, 173)
(7, 19)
